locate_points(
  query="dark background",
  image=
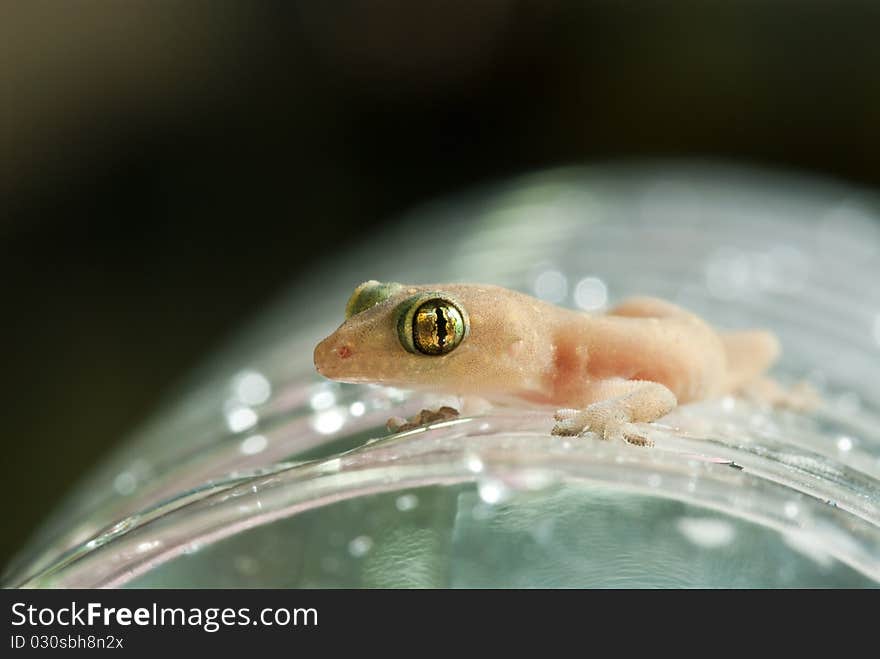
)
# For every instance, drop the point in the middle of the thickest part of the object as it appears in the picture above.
(166, 168)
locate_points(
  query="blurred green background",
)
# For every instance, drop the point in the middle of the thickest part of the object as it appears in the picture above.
(167, 168)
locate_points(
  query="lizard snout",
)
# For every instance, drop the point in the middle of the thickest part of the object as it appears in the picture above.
(328, 354)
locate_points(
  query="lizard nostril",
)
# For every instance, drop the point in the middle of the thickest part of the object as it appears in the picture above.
(344, 352)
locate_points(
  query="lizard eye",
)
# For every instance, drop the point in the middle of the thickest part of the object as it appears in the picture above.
(431, 324)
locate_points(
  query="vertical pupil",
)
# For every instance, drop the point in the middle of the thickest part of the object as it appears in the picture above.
(436, 327)
(442, 332)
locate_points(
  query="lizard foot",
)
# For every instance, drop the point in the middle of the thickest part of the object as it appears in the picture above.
(602, 419)
(398, 424)
(800, 397)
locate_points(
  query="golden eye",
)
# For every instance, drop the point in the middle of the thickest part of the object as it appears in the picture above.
(431, 324)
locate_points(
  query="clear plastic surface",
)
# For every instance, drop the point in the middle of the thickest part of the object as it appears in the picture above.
(260, 473)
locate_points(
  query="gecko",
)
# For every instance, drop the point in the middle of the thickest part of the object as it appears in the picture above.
(602, 372)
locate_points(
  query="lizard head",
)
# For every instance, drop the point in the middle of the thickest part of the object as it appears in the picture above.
(459, 337)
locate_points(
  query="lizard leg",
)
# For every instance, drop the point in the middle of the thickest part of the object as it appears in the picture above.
(801, 397)
(398, 424)
(443, 408)
(748, 354)
(618, 406)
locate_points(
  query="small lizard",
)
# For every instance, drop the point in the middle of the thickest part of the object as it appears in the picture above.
(605, 372)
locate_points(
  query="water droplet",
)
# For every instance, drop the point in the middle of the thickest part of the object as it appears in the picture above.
(474, 463)
(253, 444)
(147, 545)
(240, 418)
(844, 443)
(329, 422)
(551, 285)
(791, 509)
(406, 502)
(590, 294)
(357, 408)
(395, 394)
(493, 491)
(252, 388)
(360, 546)
(533, 479)
(706, 532)
(125, 483)
(322, 400)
